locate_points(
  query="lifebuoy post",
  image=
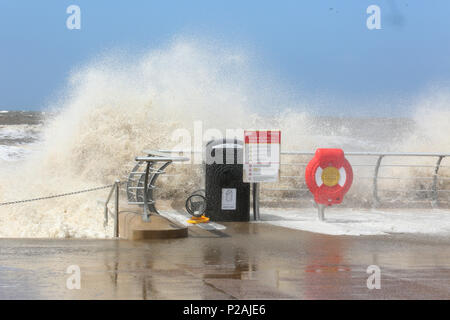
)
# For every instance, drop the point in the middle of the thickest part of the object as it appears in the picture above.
(328, 176)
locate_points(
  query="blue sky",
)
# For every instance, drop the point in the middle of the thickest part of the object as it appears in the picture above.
(321, 48)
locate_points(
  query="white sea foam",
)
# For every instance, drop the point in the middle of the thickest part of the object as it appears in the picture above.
(357, 222)
(350, 222)
(20, 132)
(13, 153)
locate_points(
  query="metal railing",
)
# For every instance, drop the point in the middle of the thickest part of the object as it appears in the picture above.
(382, 155)
(377, 165)
(146, 179)
(114, 190)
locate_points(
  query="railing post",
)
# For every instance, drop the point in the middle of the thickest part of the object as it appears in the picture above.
(434, 203)
(146, 214)
(152, 183)
(116, 209)
(256, 216)
(321, 211)
(376, 200)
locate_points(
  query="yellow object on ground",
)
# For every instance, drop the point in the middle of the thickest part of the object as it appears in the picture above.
(195, 220)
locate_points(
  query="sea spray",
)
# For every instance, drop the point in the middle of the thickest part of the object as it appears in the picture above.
(111, 111)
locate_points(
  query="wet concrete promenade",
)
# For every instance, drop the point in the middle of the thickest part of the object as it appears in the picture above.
(245, 261)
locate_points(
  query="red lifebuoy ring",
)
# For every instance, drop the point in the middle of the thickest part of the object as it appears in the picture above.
(329, 176)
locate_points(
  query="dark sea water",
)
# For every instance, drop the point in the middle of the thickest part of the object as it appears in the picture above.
(18, 131)
(21, 130)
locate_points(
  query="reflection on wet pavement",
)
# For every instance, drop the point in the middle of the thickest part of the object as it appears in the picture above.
(246, 261)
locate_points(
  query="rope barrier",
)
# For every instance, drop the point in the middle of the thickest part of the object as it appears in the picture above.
(56, 195)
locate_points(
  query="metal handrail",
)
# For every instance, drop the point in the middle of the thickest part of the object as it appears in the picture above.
(311, 153)
(370, 153)
(152, 157)
(114, 189)
(157, 159)
(380, 156)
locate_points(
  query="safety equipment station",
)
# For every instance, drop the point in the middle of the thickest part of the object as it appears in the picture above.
(328, 176)
(233, 168)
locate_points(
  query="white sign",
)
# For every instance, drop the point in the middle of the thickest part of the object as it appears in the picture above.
(262, 155)
(228, 199)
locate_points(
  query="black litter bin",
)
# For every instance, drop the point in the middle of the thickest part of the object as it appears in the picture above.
(227, 196)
